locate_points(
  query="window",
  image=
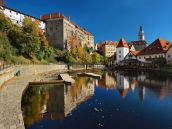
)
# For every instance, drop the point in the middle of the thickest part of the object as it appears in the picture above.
(119, 51)
(119, 56)
(149, 56)
(139, 57)
(169, 56)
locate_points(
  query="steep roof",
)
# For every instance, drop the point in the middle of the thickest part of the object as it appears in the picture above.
(135, 53)
(157, 47)
(110, 43)
(138, 43)
(122, 43)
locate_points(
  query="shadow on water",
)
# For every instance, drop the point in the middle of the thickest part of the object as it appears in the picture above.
(137, 99)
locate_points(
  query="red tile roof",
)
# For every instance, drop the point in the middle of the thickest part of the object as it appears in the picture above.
(122, 43)
(135, 53)
(157, 47)
(110, 43)
(138, 43)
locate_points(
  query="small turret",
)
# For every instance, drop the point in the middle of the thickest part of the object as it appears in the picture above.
(141, 34)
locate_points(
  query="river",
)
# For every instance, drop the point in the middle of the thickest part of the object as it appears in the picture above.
(120, 100)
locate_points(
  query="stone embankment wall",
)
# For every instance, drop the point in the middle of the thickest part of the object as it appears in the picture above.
(11, 93)
(6, 75)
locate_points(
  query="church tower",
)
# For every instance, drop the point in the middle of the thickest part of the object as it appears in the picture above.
(141, 34)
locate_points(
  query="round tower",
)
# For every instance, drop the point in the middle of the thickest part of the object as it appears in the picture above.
(141, 34)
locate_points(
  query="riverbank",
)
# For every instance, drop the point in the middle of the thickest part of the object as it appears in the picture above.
(11, 93)
(163, 70)
(12, 90)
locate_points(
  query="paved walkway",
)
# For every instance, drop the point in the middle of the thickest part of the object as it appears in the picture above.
(11, 95)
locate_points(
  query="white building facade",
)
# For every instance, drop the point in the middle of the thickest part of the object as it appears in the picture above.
(17, 17)
(122, 50)
(169, 55)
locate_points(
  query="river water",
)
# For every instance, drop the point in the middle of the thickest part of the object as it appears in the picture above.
(119, 100)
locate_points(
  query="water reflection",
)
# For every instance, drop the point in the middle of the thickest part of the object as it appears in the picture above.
(55, 102)
(58, 102)
(124, 82)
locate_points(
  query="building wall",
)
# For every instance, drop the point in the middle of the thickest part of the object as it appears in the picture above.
(109, 50)
(17, 17)
(130, 56)
(169, 54)
(122, 81)
(60, 32)
(121, 53)
(54, 32)
(143, 58)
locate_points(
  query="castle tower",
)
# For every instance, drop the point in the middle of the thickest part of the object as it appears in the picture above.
(141, 34)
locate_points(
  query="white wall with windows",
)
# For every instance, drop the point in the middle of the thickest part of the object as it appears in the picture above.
(145, 58)
(18, 17)
(121, 53)
(169, 54)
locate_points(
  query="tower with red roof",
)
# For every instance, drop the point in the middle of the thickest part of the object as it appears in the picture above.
(122, 50)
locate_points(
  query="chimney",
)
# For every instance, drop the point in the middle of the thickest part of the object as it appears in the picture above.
(1, 2)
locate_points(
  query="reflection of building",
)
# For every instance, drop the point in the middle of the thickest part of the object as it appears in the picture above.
(142, 93)
(159, 87)
(55, 102)
(63, 99)
(108, 81)
(123, 84)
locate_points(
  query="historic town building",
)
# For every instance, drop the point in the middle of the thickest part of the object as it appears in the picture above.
(122, 50)
(141, 43)
(155, 50)
(60, 29)
(17, 17)
(107, 48)
(169, 55)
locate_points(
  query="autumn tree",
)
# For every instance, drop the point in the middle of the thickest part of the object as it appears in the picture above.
(5, 23)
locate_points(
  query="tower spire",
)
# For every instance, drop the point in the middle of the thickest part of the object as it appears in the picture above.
(141, 35)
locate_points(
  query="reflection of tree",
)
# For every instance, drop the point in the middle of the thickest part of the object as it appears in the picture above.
(54, 102)
(32, 104)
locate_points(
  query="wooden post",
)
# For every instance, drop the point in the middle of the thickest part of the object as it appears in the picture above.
(68, 67)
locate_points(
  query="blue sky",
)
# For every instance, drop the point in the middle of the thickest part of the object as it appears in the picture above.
(108, 19)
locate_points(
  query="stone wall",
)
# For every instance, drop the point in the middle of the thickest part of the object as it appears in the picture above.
(12, 91)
